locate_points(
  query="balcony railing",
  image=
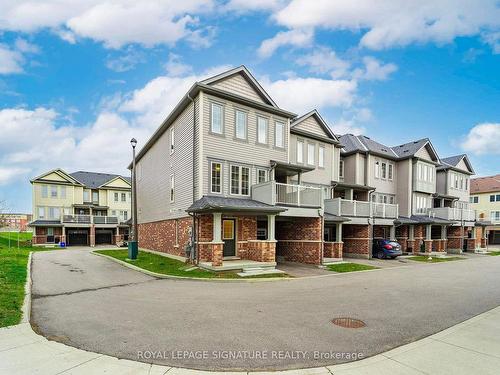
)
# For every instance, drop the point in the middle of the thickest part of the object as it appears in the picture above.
(88, 219)
(452, 213)
(105, 220)
(353, 208)
(276, 193)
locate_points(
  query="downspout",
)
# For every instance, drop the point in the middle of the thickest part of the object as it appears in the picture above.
(194, 234)
(371, 219)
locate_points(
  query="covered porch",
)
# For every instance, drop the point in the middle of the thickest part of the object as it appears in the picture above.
(333, 245)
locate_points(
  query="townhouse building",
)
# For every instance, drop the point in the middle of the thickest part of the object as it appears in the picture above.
(240, 178)
(485, 199)
(80, 208)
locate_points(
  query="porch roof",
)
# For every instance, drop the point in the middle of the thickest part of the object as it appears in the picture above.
(335, 218)
(289, 169)
(445, 196)
(45, 223)
(483, 223)
(351, 186)
(224, 204)
(90, 205)
(423, 219)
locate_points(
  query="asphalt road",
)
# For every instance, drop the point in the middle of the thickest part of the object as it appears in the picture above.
(95, 304)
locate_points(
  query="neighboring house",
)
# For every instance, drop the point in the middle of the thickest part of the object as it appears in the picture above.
(249, 180)
(81, 208)
(485, 199)
(14, 222)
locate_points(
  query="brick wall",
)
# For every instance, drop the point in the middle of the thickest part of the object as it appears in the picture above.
(161, 235)
(454, 234)
(261, 251)
(356, 240)
(40, 235)
(332, 249)
(300, 240)
(402, 233)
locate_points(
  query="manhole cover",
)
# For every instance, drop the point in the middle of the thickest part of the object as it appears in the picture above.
(348, 322)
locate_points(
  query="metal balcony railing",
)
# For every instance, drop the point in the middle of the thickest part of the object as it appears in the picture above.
(276, 193)
(452, 213)
(347, 207)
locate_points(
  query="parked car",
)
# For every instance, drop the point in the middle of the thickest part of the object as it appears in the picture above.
(386, 249)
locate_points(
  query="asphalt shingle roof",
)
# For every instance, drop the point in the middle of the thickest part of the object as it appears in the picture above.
(93, 180)
(410, 148)
(488, 184)
(213, 203)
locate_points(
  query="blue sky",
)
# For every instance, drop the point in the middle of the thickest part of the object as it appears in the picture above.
(77, 81)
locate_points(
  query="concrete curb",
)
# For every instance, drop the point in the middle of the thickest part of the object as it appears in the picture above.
(27, 293)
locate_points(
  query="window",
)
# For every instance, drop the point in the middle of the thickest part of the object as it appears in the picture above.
(385, 198)
(492, 198)
(261, 130)
(216, 118)
(384, 170)
(241, 125)
(45, 191)
(498, 197)
(474, 199)
(390, 174)
(377, 169)
(341, 169)
(240, 178)
(310, 153)
(279, 133)
(172, 140)
(53, 191)
(116, 197)
(86, 196)
(431, 174)
(95, 196)
(321, 157)
(216, 177)
(130, 197)
(495, 215)
(456, 181)
(461, 183)
(41, 212)
(113, 213)
(391, 199)
(300, 151)
(466, 183)
(53, 213)
(261, 176)
(63, 192)
(124, 197)
(172, 188)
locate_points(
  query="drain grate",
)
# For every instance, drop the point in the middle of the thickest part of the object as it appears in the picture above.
(348, 322)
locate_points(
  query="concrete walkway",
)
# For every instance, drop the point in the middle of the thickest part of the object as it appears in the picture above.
(471, 347)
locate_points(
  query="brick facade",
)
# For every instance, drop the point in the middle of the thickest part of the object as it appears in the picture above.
(332, 249)
(402, 233)
(40, 235)
(356, 240)
(167, 236)
(454, 234)
(419, 237)
(300, 240)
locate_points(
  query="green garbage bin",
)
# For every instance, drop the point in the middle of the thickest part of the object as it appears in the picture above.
(133, 249)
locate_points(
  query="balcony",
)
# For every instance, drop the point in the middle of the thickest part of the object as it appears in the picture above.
(105, 220)
(452, 213)
(88, 219)
(354, 208)
(276, 193)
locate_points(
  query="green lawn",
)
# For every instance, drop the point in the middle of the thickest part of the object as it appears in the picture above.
(13, 272)
(423, 258)
(494, 253)
(350, 267)
(168, 266)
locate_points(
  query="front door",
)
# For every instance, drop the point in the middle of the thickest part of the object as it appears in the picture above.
(228, 231)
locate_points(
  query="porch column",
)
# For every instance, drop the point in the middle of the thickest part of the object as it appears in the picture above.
(338, 234)
(349, 194)
(299, 178)
(63, 234)
(217, 228)
(392, 233)
(444, 238)
(428, 238)
(217, 244)
(484, 238)
(411, 232)
(271, 221)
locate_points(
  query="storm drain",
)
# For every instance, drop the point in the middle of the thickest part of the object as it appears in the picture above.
(348, 322)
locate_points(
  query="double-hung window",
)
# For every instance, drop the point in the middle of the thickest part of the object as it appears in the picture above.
(241, 125)
(172, 188)
(300, 151)
(53, 191)
(261, 130)
(116, 197)
(86, 196)
(63, 192)
(321, 157)
(124, 197)
(240, 180)
(216, 125)
(41, 212)
(495, 216)
(279, 134)
(492, 198)
(310, 153)
(95, 197)
(384, 170)
(390, 172)
(172, 140)
(377, 169)
(45, 191)
(216, 170)
(341, 169)
(261, 176)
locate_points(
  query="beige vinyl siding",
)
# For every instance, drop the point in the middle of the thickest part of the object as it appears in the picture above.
(227, 148)
(423, 153)
(238, 85)
(156, 167)
(310, 125)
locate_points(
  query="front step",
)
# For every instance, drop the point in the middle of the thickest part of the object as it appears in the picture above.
(254, 271)
(328, 261)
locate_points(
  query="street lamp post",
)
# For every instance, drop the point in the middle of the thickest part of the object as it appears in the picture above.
(133, 247)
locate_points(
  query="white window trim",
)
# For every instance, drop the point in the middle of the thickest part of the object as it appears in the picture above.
(321, 157)
(245, 137)
(240, 180)
(377, 169)
(266, 175)
(382, 173)
(266, 122)
(282, 124)
(212, 105)
(211, 183)
(341, 168)
(390, 176)
(172, 189)
(300, 146)
(172, 140)
(314, 154)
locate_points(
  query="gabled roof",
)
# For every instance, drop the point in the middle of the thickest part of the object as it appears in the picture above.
(322, 123)
(94, 180)
(487, 184)
(452, 162)
(411, 148)
(249, 78)
(60, 173)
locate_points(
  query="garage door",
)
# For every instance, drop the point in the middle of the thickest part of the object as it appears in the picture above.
(103, 237)
(78, 238)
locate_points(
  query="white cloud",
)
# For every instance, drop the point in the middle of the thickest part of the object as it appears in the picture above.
(374, 70)
(115, 23)
(126, 61)
(323, 60)
(175, 67)
(493, 39)
(296, 38)
(344, 126)
(254, 5)
(11, 61)
(389, 23)
(483, 139)
(9, 174)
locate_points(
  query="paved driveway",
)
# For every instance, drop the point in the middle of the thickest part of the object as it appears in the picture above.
(95, 304)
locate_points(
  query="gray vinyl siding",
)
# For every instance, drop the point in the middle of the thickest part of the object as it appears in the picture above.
(156, 167)
(310, 125)
(226, 148)
(383, 186)
(404, 187)
(239, 86)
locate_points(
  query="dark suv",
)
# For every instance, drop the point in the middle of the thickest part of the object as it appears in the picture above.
(386, 249)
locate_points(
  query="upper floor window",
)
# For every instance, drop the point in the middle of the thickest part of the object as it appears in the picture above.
(41, 212)
(124, 197)
(321, 157)
(241, 125)
(86, 196)
(172, 188)
(215, 177)
(341, 169)
(45, 191)
(384, 170)
(54, 213)
(116, 197)
(495, 215)
(240, 177)
(216, 125)
(390, 172)
(63, 192)
(310, 153)
(261, 176)
(377, 169)
(261, 130)
(95, 196)
(474, 199)
(279, 135)
(53, 191)
(300, 151)
(172, 140)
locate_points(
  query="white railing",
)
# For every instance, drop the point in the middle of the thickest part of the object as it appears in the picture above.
(347, 207)
(105, 220)
(88, 219)
(276, 193)
(452, 213)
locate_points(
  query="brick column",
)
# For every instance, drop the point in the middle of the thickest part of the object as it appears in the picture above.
(92, 236)
(428, 246)
(63, 235)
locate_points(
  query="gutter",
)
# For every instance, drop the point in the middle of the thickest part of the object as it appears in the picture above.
(194, 244)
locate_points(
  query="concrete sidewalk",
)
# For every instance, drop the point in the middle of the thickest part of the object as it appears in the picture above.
(471, 347)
